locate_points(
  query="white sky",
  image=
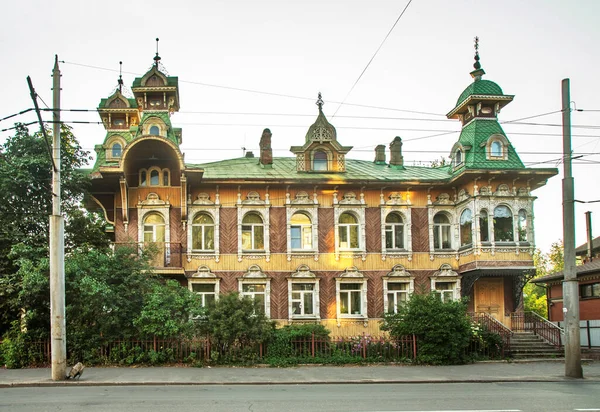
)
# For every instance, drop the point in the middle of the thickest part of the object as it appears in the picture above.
(298, 48)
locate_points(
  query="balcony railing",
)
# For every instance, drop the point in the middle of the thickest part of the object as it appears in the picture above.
(163, 254)
(532, 322)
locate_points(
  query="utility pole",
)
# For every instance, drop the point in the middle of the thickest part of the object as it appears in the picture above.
(57, 247)
(570, 284)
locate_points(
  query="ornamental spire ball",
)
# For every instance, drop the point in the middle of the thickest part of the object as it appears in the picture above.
(157, 57)
(477, 65)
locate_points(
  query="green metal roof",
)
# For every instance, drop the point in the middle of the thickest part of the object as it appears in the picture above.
(284, 168)
(131, 101)
(480, 87)
(476, 134)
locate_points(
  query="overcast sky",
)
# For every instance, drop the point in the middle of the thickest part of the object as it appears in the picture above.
(247, 65)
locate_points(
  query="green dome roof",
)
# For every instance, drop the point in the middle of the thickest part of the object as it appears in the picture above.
(478, 87)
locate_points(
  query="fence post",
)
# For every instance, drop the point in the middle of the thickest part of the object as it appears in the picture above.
(587, 322)
(261, 351)
(312, 338)
(364, 346)
(414, 339)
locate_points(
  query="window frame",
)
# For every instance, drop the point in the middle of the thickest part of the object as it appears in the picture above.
(203, 227)
(496, 228)
(467, 226)
(253, 204)
(446, 275)
(439, 228)
(115, 139)
(255, 276)
(303, 276)
(346, 228)
(254, 232)
(352, 276)
(204, 276)
(398, 275)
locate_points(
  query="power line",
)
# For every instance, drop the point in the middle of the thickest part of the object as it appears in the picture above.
(374, 54)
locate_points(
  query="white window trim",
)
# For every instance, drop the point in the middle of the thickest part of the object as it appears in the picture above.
(473, 227)
(356, 207)
(446, 274)
(454, 230)
(397, 275)
(255, 275)
(329, 155)
(312, 213)
(405, 213)
(351, 275)
(260, 207)
(303, 275)
(154, 121)
(204, 276)
(212, 210)
(504, 144)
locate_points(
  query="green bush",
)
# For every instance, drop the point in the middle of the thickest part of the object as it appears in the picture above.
(443, 329)
(236, 325)
(17, 350)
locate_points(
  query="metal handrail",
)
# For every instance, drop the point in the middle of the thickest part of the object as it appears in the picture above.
(532, 322)
(495, 326)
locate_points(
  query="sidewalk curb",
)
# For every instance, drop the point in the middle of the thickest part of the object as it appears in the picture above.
(44, 384)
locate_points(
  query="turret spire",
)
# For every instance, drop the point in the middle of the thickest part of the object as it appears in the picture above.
(478, 72)
(157, 57)
(120, 81)
(320, 102)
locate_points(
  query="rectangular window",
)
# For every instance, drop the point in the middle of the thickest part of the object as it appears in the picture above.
(350, 298)
(397, 295)
(591, 290)
(296, 237)
(303, 296)
(206, 291)
(255, 291)
(446, 290)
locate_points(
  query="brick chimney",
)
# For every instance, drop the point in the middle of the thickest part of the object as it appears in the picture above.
(380, 154)
(396, 159)
(266, 153)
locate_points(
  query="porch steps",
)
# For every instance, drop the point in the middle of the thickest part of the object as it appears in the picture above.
(526, 345)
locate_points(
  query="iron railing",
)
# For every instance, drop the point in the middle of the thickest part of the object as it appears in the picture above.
(532, 322)
(164, 254)
(495, 326)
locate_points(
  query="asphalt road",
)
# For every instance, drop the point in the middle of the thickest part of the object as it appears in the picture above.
(472, 397)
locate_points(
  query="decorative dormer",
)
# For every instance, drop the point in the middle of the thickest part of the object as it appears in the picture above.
(321, 152)
(482, 143)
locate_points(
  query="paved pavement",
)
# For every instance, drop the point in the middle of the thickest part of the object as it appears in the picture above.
(542, 371)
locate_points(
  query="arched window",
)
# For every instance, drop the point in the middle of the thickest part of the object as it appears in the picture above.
(116, 150)
(458, 158)
(143, 177)
(253, 232)
(466, 228)
(394, 231)
(154, 178)
(441, 232)
(348, 231)
(301, 231)
(154, 228)
(320, 160)
(154, 131)
(484, 228)
(496, 149)
(522, 225)
(503, 224)
(166, 176)
(203, 232)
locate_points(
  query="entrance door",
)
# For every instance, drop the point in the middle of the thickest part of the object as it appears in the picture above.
(489, 297)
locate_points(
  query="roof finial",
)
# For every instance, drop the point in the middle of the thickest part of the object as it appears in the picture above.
(320, 102)
(157, 57)
(478, 72)
(477, 65)
(120, 77)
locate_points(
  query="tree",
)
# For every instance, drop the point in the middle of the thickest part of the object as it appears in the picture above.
(169, 311)
(534, 295)
(26, 203)
(443, 329)
(233, 320)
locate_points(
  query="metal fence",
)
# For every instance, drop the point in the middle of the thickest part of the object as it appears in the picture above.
(494, 326)
(589, 333)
